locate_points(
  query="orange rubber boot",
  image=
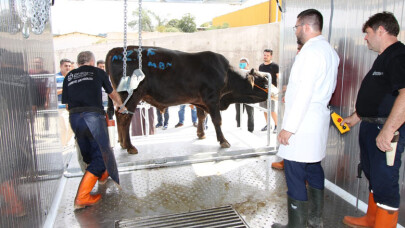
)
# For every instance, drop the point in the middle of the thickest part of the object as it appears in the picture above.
(14, 206)
(83, 197)
(278, 165)
(386, 218)
(366, 221)
(103, 179)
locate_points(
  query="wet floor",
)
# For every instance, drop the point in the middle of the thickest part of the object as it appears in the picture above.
(250, 186)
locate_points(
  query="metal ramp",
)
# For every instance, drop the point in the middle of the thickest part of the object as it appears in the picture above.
(225, 217)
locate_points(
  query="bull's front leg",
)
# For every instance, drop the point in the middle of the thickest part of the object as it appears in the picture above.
(123, 123)
(201, 120)
(217, 121)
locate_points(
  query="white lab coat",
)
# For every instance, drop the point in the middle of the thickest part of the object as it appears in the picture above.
(310, 87)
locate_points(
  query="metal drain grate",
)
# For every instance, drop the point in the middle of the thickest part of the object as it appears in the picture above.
(225, 217)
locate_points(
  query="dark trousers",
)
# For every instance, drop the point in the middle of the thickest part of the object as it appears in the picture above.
(383, 179)
(297, 173)
(89, 147)
(250, 114)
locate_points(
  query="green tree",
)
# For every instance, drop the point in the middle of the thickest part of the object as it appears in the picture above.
(173, 23)
(187, 24)
(146, 20)
(206, 25)
(171, 29)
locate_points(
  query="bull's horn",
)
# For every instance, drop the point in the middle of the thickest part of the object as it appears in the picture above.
(251, 80)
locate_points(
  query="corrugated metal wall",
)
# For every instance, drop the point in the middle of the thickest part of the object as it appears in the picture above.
(343, 21)
(30, 153)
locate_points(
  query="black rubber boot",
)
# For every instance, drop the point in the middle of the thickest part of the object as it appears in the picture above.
(315, 212)
(297, 214)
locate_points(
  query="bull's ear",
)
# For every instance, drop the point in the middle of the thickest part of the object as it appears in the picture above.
(252, 71)
(251, 80)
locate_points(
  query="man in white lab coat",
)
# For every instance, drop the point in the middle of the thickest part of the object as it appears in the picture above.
(304, 131)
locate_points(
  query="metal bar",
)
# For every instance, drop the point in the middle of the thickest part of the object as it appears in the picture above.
(185, 160)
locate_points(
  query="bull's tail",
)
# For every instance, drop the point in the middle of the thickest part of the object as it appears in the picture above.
(110, 109)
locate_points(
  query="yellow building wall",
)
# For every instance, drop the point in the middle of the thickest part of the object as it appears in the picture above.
(262, 13)
(274, 11)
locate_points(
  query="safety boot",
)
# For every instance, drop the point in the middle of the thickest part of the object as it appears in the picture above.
(278, 165)
(103, 179)
(386, 218)
(297, 214)
(83, 197)
(366, 221)
(315, 210)
(13, 205)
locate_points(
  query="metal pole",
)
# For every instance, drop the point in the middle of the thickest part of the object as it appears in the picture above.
(269, 109)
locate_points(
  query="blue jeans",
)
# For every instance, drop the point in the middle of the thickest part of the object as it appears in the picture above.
(296, 173)
(89, 147)
(383, 179)
(193, 114)
(160, 119)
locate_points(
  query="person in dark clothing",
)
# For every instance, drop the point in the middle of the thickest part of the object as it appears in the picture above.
(82, 94)
(381, 105)
(270, 67)
(17, 141)
(244, 64)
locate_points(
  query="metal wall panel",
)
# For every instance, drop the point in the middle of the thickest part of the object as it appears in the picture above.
(343, 30)
(30, 152)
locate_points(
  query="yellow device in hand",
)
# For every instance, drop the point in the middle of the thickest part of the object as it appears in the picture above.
(337, 120)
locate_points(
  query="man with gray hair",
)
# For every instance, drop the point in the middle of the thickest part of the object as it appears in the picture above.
(82, 94)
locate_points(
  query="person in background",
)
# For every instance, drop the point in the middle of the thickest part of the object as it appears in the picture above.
(44, 84)
(160, 123)
(244, 64)
(101, 65)
(270, 67)
(72, 65)
(82, 96)
(66, 132)
(181, 116)
(380, 106)
(65, 66)
(302, 144)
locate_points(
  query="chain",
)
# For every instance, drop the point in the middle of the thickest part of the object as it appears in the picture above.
(24, 19)
(124, 59)
(140, 35)
(39, 9)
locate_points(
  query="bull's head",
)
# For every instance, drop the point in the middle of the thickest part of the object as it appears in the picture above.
(255, 89)
(257, 79)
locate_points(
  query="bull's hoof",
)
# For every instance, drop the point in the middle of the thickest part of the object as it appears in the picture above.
(132, 151)
(225, 145)
(201, 137)
(123, 146)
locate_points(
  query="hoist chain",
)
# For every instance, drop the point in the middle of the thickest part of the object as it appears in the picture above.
(124, 59)
(140, 35)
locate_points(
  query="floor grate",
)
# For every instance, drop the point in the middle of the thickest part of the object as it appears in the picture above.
(225, 217)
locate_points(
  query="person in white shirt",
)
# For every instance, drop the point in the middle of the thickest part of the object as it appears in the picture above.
(304, 131)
